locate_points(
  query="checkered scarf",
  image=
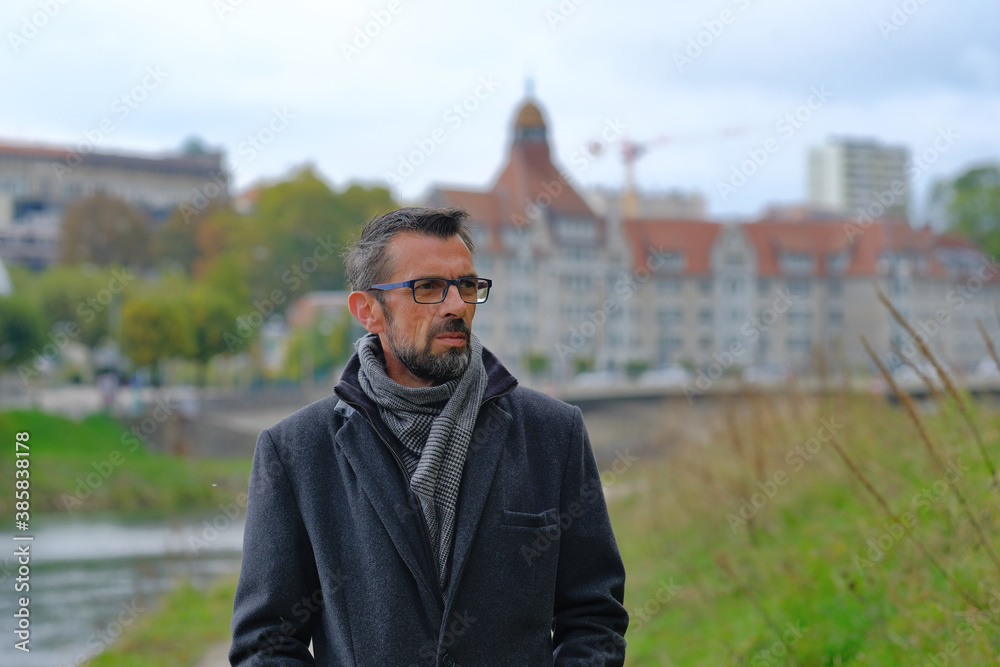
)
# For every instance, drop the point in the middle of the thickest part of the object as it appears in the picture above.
(435, 426)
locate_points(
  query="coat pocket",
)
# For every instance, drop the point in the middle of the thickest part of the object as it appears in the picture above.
(526, 552)
(528, 520)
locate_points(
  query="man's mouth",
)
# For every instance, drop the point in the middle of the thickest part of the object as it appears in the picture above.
(452, 338)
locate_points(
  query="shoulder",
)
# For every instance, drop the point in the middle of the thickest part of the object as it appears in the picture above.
(535, 406)
(312, 422)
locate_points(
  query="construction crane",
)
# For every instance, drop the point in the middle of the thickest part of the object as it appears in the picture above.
(631, 151)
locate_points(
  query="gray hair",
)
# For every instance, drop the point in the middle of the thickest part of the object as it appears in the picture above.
(366, 261)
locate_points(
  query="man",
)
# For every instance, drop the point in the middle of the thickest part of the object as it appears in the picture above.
(432, 511)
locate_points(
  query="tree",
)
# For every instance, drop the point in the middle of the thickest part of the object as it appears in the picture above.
(22, 331)
(972, 206)
(177, 241)
(212, 314)
(83, 295)
(156, 327)
(319, 347)
(102, 229)
(293, 238)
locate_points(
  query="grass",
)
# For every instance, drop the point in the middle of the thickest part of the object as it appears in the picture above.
(96, 466)
(177, 632)
(815, 572)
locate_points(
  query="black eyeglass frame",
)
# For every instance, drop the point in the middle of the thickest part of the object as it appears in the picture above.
(444, 294)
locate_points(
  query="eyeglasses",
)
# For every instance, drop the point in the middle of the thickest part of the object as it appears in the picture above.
(435, 290)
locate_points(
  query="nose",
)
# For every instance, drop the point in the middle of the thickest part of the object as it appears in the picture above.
(453, 306)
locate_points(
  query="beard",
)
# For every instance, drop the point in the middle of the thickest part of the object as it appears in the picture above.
(425, 364)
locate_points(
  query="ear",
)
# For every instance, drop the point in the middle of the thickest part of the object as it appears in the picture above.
(367, 310)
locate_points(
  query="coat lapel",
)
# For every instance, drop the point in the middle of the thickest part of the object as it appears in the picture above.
(371, 459)
(480, 470)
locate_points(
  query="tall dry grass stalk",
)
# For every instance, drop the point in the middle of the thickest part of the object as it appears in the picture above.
(945, 379)
(932, 389)
(911, 410)
(989, 342)
(861, 477)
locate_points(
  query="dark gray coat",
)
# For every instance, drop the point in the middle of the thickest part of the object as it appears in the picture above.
(336, 552)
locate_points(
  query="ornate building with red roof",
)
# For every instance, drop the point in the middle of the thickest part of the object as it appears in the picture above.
(554, 262)
(571, 284)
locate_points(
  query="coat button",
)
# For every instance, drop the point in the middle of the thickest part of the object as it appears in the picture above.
(447, 660)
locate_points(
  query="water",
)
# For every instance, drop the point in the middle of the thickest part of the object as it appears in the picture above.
(89, 580)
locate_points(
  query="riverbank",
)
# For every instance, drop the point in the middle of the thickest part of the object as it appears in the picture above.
(95, 465)
(188, 622)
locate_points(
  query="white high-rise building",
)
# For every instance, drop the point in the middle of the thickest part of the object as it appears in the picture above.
(849, 176)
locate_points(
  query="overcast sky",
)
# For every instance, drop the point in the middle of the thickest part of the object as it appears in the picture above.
(305, 81)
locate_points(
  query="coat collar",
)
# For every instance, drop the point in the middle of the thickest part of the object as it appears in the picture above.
(499, 381)
(492, 427)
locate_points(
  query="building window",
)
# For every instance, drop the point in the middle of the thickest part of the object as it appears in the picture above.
(705, 343)
(835, 317)
(705, 285)
(837, 262)
(734, 285)
(796, 262)
(798, 344)
(669, 316)
(669, 260)
(705, 316)
(517, 266)
(799, 317)
(579, 253)
(515, 237)
(798, 287)
(521, 300)
(576, 229)
(668, 285)
(522, 332)
(576, 282)
(763, 286)
(836, 288)
(669, 346)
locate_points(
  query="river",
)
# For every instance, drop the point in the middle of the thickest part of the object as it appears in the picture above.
(89, 579)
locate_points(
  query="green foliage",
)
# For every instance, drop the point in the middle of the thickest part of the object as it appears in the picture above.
(973, 206)
(96, 465)
(156, 327)
(636, 367)
(293, 238)
(583, 364)
(181, 241)
(22, 331)
(82, 294)
(211, 313)
(538, 363)
(319, 348)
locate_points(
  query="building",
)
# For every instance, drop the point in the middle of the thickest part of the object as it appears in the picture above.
(607, 202)
(551, 259)
(578, 287)
(775, 292)
(848, 176)
(38, 183)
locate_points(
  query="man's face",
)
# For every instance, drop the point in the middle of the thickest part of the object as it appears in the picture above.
(426, 343)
